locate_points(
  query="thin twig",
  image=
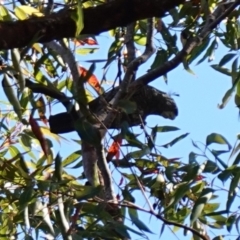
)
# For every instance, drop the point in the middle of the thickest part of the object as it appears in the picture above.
(158, 216)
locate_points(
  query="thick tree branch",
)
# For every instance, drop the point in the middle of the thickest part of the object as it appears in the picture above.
(106, 174)
(89, 156)
(96, 20)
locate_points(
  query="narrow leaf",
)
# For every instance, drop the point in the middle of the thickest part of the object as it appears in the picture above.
(226, 59)
(174, 141)
(16, 58)
(198, 207)
(220, 69)
(77, 16)
(167, 129)
(135, 219)
(10, 94)
(217, 138)
(71, 158)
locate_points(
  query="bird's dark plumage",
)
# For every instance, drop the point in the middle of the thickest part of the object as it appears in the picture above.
(149, 101)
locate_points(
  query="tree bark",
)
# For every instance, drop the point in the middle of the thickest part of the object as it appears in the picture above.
(98, 19)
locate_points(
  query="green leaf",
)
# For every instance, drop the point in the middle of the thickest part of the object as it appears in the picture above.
(169, 173)
(234, 70)
(174, 141)
(216, 153)
(10, 94)
(122, 230)
(85, 51)
(170, 40)
(135, 219)
(237, 87)
(226, 59)
(20, 13)
(209, 53)
(16, 58)
(140, 39)
(26, 197)
(210, 207)
(130, 137)
(230, 221)
(237, 224)
(179, 193)
(152, 138)
(198, 50)
(192, 173)
(233, 188)
(77, 16)
(14, 151)
(211, 167)
(175, 16)
(227, 96)
(28, 237)
(114, 48)
(217, 138)
(161, 58)
(23, 165)
(139, 153)
(167, 129)
(199, 205)
(86, 192)
(187, 68)
(220, 237)
(221, 69)
(29, 11)
(237, 159)
(127, 195)
(58, 168)
(71, 158)
(198, 187)
(236, 84)
(226, 174)
(4, 14)
(122, 227)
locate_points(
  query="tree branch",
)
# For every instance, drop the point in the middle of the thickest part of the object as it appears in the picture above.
(130, 73)
(222, 11)
(158, 216)
(96, 20)
(129, 41)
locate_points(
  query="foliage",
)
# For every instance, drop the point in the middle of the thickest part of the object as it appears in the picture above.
(39, 197)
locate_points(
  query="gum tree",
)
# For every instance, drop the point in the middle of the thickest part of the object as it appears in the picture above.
(39, 43)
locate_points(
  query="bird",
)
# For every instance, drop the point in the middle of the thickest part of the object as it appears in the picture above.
(146, 99)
